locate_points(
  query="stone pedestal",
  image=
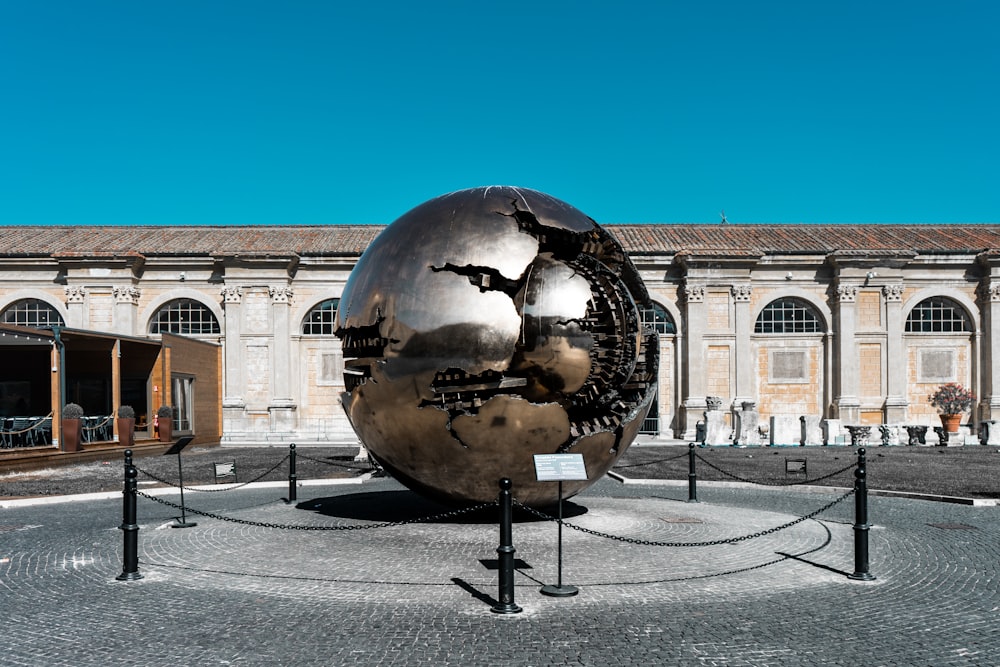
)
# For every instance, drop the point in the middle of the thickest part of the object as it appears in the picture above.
(810, 430)
(989, 432)
(717, 432)
(831, 431)
(747, 423)
(784, 430)
(282, 417)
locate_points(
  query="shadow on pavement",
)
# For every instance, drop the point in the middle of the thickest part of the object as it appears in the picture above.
(393, 506)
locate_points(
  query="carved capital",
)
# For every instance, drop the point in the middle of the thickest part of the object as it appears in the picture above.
(75, 294)
(129, 295)
(847, 293)
(892, 292)
(741, 293)
(232, 295)
(694, 293)
(281, 294)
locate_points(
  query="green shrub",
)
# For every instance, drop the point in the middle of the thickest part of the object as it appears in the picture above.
(72, 411)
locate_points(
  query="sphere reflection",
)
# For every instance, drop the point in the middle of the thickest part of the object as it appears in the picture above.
(488, 325)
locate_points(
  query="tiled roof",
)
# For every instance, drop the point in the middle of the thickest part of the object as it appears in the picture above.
(328, 240)
(807, 239)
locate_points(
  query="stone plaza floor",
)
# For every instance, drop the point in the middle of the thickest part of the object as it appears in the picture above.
(242, 588)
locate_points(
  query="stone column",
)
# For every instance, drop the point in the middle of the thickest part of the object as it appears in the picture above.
(76, 307)
(233, 400)
(848, 404)
(895, 402)
(693, 404)
(126, 306)
(282, 405)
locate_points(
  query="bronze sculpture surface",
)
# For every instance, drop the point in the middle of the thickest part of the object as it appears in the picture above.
(488, 325)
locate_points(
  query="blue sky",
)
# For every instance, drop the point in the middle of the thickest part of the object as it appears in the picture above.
(324, 112)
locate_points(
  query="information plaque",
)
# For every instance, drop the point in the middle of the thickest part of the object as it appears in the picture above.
(559, 467)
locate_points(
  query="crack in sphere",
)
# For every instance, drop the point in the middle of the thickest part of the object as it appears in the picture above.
(488, 325)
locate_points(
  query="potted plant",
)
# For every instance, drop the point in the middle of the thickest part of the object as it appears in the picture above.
(951, 399)
(126, 425)
(72, 421)
(165, 422)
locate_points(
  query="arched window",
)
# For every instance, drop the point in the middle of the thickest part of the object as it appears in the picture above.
(658, 319)
(936, 315)
(321, 320)
(184, 316)
(784, 316)
(32, 313)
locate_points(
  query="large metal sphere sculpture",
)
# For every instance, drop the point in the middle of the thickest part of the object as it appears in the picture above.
(489, 325)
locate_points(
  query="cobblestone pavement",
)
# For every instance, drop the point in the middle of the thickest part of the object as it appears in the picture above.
(235, 590)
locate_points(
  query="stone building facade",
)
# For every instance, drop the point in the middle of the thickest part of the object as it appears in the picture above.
(848, 324)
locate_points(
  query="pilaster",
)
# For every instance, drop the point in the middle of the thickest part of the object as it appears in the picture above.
(990, 382)
(896, 403)
(126, 309)
(745, 384)
(847, 402)
(232, 303)
(76, 306)
(693, 404)
(282, 405)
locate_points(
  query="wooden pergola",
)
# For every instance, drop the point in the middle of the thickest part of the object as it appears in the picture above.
(41, 370)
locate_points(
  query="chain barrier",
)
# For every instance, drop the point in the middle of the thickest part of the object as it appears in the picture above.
(710, 543)
(648, 463)
(750, 481)
(300, 455)
(227, 488)
(385, 524)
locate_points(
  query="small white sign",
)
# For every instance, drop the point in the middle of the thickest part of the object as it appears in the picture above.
(559, 467)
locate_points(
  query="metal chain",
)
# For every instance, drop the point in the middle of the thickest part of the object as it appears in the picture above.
(261, 524)
(329, 463)
(711, 543)
(228, 487)
(647, 463)
(751, 481)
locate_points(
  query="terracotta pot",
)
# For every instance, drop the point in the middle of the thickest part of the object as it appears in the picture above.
(126, 431)
(951, 422)
(71, 434)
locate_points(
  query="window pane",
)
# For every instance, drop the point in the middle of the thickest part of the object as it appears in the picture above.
(658, 319)
(185, 317)
(32, 313)
(787, 316)
(937, 315)
(321, 319)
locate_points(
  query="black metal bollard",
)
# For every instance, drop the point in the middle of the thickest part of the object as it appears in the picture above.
(291, 473)
(505, 553)
(692, 476)
(130, 557)
(861, 526)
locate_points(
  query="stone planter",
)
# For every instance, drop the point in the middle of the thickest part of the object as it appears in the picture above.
(71, 434)
(126, 431)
